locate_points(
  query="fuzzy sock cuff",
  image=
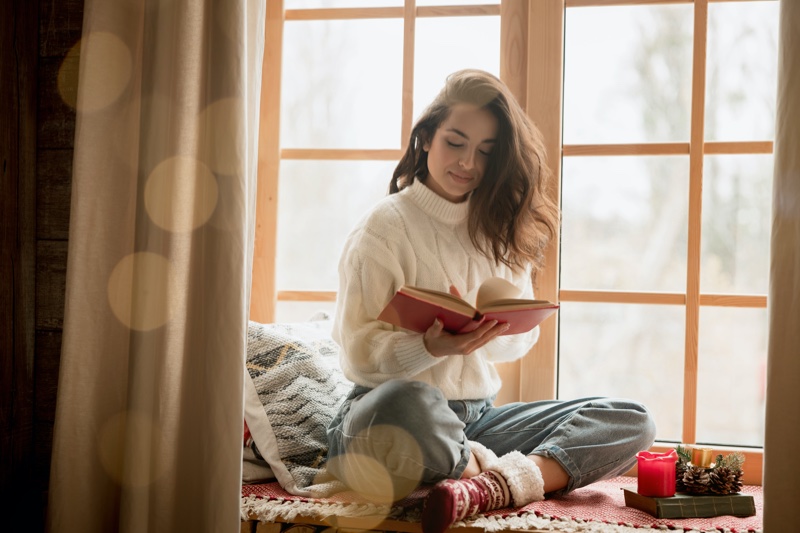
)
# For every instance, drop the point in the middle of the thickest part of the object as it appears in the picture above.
(522, 475)
(484, 455)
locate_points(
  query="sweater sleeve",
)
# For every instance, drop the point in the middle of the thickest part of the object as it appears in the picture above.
(372, 352)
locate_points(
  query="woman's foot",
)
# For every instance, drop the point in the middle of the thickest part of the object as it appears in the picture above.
(511, 480)
(452, 500)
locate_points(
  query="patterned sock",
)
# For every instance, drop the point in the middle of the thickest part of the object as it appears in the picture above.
(452, 500)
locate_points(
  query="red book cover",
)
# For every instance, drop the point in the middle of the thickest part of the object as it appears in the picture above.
(415, 309)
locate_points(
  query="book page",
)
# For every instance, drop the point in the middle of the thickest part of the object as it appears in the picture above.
(495, 289)
(443, 299)
(497, 293)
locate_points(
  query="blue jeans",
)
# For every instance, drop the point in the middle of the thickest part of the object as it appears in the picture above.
(418, 436)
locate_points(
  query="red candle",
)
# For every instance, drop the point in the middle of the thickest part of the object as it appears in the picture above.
(656, 473)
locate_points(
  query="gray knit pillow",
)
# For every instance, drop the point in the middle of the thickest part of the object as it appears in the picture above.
(295, 389)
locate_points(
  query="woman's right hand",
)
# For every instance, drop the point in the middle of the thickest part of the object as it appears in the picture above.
(440, 343)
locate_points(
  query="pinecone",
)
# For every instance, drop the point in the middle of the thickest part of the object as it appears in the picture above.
(695, 480)
(723, 480)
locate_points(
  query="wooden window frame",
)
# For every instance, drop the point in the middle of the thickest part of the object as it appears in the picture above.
(531, 64)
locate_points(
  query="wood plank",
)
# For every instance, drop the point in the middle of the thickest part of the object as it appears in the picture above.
(262, 295)
(46, 367)
(625, 149)
(60, 26)
(19, 25)
(341, 154)
(51, 280)
(56, 119)
(514, 48)
(662, 298)
(752, 472)
(544, 99)
(459, 11)
(40, 477)
(514, 73)
(42, 450)
(53, 190)
(608, 3)
(306, 296)
(742, 147)
(268, 527)
(407, 113)
(353, 13)
(695, 220)
(734, 300)
(622, 297)
(344, 13)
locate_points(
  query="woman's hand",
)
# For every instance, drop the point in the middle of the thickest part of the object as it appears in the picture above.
(440, 343)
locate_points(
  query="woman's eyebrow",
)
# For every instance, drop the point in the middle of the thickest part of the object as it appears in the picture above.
(461, 133)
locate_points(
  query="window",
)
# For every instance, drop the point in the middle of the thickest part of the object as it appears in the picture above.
(659, 119)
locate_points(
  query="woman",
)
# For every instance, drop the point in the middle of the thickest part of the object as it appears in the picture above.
(467, 202)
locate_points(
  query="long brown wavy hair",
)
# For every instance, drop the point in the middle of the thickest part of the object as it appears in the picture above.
(511, 217)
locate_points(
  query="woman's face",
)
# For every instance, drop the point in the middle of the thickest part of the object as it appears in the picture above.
(459, 151)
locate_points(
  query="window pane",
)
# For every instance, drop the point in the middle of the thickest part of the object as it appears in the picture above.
(731, 376)
(319, 202)
(342, 84)
(737, 202)
(627, 74)
(444, 45)
(624, 223)
(742, 71)
(302, 311)
(628, 351)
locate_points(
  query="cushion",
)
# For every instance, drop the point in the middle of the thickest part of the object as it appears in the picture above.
(254, 469)
(295, 389)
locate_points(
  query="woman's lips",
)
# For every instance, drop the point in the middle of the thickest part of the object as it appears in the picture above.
(460, 179)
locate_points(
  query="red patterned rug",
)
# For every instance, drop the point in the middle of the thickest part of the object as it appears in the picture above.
(597, 508)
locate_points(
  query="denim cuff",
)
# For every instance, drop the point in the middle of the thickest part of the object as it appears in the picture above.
(462, 463)
(572, 470)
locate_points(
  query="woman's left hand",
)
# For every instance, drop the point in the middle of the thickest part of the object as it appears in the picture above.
(440, 343)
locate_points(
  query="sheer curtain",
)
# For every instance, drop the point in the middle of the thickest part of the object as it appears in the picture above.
(149, 414)
(781, 462)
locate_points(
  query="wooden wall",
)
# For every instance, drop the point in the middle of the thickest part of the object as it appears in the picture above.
(36, 139)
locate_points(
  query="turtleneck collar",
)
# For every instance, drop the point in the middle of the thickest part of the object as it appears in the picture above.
(434, 205)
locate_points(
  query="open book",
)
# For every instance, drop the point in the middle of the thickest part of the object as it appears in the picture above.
(415, 309)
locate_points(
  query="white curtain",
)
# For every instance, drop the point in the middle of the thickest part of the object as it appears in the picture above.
(148, 433)
(782, 439)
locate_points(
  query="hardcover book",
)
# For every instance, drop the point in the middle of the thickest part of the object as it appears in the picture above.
(415, 309)
(692, 506)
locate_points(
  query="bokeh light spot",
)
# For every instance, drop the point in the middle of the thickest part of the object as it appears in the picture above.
(369, 479)
(383, 463)
(67, 79)
(107, 68)
(138, 434)
(138, 291)
(181, 194)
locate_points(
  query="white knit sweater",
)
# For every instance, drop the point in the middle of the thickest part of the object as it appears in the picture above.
(416, 237)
